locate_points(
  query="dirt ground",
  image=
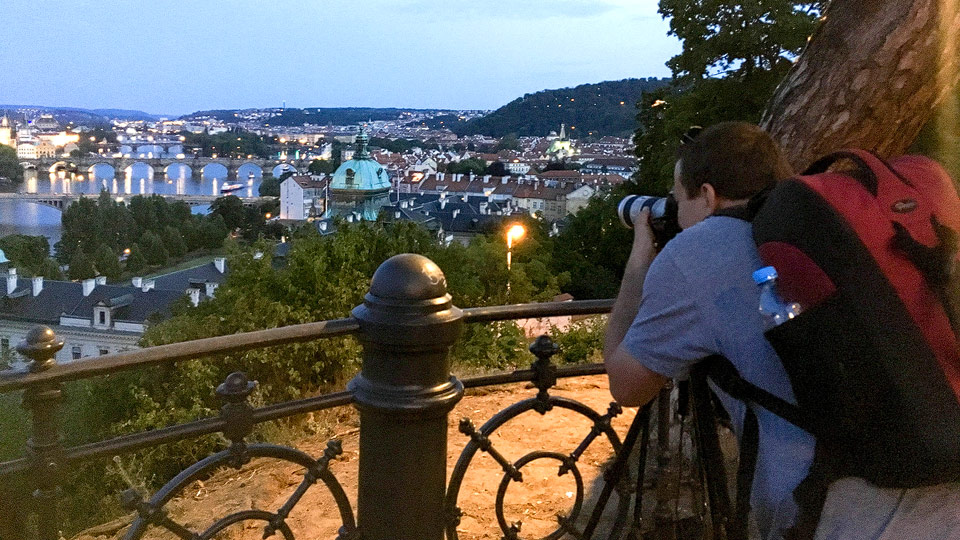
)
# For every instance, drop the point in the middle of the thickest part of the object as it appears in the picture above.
(535, 502)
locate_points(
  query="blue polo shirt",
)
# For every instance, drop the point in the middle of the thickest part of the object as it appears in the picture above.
(698, 300)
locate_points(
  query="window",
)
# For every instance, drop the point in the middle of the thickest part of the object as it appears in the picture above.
(103, 317)
(77, 352)
(103, 351)
(4, 345)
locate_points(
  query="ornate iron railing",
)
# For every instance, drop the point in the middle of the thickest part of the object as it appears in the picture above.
(404, 394)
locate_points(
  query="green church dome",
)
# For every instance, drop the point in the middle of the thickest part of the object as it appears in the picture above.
(362, 173)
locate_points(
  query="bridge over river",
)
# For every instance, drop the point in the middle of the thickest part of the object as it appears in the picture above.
(84, 165)
(61, 202)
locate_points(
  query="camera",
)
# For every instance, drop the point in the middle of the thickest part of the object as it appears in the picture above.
(663, 215)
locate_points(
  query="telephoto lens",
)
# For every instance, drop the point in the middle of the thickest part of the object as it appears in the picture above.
(631, 206)
(663, 215)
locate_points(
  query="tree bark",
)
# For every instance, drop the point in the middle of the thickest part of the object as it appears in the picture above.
(871, 77)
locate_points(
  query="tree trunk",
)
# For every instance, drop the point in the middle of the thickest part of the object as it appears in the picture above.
(870, 78)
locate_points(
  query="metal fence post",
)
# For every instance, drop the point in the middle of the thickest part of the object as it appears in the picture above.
(404, 393)
(44, 447)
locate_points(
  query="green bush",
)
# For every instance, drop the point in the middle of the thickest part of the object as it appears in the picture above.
(582, 342)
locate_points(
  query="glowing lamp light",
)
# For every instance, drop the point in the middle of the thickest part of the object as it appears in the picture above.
(268, 215)
(126, 251)
(516, 233)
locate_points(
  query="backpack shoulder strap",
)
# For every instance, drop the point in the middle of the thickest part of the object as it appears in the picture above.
(723, 373)
(748, 211)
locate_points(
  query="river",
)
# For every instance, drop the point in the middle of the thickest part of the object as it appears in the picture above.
(18, 217)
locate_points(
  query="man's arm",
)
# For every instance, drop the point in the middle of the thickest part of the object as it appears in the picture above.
(631, 383)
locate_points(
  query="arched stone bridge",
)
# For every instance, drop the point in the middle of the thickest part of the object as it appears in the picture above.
(62, 202)
(160, 165)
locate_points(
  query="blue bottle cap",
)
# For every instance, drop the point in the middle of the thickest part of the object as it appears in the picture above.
(764, 275)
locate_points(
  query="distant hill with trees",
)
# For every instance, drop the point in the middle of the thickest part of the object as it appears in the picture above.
(74, 115)
(318, 116)
(606, 108)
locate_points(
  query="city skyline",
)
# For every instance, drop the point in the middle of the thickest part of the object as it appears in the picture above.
(406, 54)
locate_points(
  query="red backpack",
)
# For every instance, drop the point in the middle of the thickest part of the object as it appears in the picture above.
(871, 256)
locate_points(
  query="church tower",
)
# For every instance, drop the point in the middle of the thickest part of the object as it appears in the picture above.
(359, 186)
(6, 133)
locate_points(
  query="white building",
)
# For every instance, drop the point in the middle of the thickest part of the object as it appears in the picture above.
(302, 197)
(91, 317)
(517, 167)
(26, 150)
(579, 198)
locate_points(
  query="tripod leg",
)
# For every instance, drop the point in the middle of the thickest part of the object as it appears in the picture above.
(620, 467)
(710, 456)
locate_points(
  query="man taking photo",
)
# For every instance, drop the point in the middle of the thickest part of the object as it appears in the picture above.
(696, 298)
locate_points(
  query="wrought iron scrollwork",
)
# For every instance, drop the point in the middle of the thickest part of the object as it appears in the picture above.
(544, 378)
(237, 414)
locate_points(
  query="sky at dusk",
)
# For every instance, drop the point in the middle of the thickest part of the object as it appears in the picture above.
(176, 57)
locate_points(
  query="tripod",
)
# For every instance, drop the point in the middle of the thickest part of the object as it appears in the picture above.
(709, 462)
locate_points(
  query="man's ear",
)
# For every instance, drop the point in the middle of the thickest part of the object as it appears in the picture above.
(709, 197)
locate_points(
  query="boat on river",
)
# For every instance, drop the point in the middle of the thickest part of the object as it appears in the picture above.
(229, 188)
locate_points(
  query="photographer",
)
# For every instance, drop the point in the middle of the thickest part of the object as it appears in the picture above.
(697, 298)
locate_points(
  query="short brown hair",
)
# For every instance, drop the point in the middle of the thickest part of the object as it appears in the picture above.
(738, 159)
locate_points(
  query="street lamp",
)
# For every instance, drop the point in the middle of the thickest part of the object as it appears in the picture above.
(515, 232)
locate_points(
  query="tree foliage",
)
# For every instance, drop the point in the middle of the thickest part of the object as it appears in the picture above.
(323, 166)
(467, 166)
(401, 145)
(270, 186)
(9, 164)
(590, 109)
(30, 255)
(107, 263)
(93, 226)
(594, 246)
(734, 54)
(135, 260)
(324, 278)
(81, 267)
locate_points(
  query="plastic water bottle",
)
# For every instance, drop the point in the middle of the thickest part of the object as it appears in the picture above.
(773, 308)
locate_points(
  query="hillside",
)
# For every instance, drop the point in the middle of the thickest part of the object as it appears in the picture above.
(606, 108)
(318, 116)
(75, 115)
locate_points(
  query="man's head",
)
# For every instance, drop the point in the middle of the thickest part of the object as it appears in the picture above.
(723, 166)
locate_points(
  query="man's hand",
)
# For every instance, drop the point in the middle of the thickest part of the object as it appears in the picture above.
(644, 243)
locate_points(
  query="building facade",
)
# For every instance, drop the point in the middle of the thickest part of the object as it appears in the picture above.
(92, 317)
